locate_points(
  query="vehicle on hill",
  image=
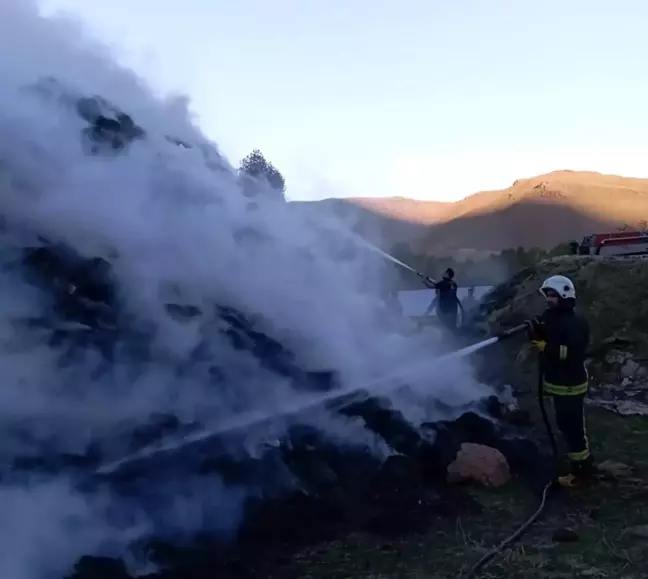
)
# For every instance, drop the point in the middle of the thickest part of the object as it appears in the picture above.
(617, 244)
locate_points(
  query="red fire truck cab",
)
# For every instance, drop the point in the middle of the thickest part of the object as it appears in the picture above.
(628, 243)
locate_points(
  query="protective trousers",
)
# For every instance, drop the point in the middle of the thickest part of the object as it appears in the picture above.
(448, 318)
(570, 419)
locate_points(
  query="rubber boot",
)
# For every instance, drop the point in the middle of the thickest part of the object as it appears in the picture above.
(579, 474)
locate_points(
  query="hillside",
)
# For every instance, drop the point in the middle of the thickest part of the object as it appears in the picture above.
(409, 210)
(540, 211)
(385, 221)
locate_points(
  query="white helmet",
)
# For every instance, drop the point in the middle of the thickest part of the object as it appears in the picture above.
(562, 285)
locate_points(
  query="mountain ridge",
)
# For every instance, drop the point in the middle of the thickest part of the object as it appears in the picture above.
(539, 211)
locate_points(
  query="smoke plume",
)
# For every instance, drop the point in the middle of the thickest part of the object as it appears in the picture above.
(175, 226)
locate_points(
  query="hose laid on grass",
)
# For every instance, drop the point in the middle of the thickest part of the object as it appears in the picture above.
(534, 517)
(511, 538)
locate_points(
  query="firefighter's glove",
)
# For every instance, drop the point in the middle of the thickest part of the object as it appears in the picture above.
(427, 281)
(539, 345)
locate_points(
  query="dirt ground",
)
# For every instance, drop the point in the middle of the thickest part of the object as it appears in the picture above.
(610, 519)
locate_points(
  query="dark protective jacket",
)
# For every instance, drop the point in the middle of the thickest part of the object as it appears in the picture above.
(447, 300)
(567, 337)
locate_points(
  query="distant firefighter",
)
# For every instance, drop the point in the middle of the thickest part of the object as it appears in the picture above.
(446, 301)
(469, 302)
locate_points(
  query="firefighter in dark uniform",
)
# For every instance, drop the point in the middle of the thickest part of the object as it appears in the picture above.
(562, 337)
(446, 301)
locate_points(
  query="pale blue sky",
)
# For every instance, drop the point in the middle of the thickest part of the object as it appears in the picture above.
(431, 99)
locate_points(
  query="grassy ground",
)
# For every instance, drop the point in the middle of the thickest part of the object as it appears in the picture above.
(608, 518)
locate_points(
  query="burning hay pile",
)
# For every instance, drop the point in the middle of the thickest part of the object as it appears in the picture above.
(163, 475)
(300, 487)
(306, 489)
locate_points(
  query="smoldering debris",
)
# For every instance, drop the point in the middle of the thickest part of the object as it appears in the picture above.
(250, 495)
(144, 299)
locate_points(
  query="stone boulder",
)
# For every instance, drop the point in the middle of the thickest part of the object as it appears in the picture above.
(481, 464)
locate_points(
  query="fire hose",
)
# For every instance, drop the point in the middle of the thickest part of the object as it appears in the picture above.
(517, 534)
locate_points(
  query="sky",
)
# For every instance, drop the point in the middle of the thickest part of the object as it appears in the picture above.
(427, 99)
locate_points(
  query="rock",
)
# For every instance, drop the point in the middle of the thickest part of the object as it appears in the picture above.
(479, 463)
(565, 535)
(621, 407)
(629, 369)
(626, 382)
(615, 469)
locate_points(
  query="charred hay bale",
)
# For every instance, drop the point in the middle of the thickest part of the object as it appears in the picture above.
(388, 423)
(294, 520)
(302, 459)
(60, 269)
(39, 456)
(89, 567)
(50, 463)
(270, 352)
(205, 560)
(109, 128)
(334, 491)
(84, 290)
(435, 445)
(321, 466)
(488, 425)
(325, 467)
(306, 488)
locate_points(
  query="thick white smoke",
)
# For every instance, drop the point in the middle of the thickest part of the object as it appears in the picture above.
(176, 218)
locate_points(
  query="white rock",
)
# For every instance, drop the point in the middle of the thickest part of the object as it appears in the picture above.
(629, 369)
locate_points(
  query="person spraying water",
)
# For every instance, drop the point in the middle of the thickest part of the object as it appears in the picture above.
(561, 337)
(446, 302)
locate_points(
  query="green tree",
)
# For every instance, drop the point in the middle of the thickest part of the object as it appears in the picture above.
(255, 165)
(562, 249)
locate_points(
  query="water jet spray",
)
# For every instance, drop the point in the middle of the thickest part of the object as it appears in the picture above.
(386, 255)
(302, 404)
(371, 247)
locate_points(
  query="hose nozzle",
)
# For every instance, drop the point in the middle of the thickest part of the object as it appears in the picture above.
(513, 331)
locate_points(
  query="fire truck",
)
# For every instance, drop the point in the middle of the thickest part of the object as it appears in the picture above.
(619, 244)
